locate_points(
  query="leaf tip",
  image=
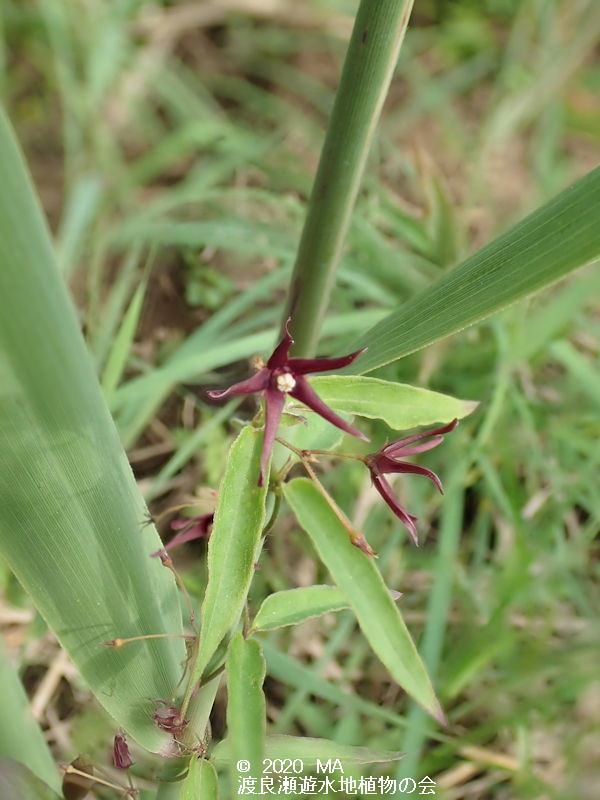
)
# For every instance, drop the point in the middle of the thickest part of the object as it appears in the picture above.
(438, 714)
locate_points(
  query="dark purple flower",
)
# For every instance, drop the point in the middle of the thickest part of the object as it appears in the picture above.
(191, 528)
(387, 461)
(168, 718)
(283, 375)
(121, 755)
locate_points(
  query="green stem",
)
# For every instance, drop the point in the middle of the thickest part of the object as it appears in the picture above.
(370, 61)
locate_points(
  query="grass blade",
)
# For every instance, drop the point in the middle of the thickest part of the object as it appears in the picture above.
(288, 670)
(18, 783)
(310, 751)
(556, 239)
(21, 737)
(71, 518)
(119, 352)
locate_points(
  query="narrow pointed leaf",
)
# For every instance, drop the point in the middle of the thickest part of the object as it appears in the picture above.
(119, 352)
(246, 707)
(360, 580)
(310, 751)
(71, 518)
(307, 679)
(233, 545)
(21, 737)
(297, 605)
(399, 405)
(18, 783)
(556, 239)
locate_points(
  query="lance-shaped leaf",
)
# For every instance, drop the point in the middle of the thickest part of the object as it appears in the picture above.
(21, 737)
(399, 405)
(233, 545)
(246, 706)
(18, 783)
(556, 239)
(297, 605)
(310, 751)
(360, 580)
(71, 516)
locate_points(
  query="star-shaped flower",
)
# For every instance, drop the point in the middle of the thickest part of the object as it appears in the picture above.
(283, 375)
(387, 461)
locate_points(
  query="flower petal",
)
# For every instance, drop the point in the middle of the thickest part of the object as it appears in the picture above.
(385, 490)
(281, 352)
(304, 392)
(256, 383)
(121, 755)
(192, 528)
(274, 402)
(399, 448)
(302, 366)
(386, 465)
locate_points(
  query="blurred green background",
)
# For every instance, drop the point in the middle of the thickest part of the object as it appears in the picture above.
(173, 146)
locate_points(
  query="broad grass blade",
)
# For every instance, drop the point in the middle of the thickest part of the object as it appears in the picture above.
(556, 239)
(71, 517)
(18, 783)
(359, 579)
(21, 737)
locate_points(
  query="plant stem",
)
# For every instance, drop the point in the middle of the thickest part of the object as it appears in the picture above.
(370, 61)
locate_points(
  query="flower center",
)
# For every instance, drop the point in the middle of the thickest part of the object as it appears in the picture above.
(286, 382)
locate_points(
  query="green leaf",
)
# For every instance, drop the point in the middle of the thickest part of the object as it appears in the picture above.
(119, 353)
(201, 781)
(296, 605)
(306, 679)
(399, 405)
(310, 431)
(18, 783)
(71, 518)
(556, 239)
(233, 545)
(21, 737)
(309, 751)
(246, 707)
(359, 579)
